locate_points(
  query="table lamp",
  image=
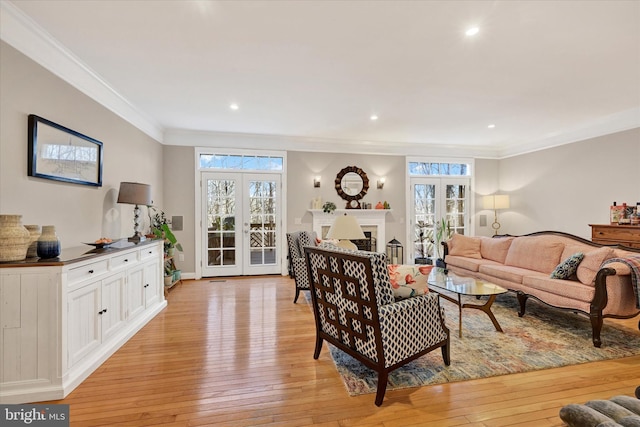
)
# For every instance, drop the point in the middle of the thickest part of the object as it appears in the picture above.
(134, 193)
(345, 228)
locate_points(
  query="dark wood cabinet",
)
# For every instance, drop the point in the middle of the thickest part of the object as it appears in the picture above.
(605, 234)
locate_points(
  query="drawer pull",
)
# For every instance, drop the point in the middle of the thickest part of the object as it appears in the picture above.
(101, 311)
(90, 271)
(126, 260)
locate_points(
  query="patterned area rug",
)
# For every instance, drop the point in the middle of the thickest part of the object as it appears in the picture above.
(529, 343)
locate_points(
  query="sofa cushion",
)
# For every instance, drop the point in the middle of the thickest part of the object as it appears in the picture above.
(460, 245)
(538, 253)
(565, 288)
(471, 264)
(506, 272)
(496, 248)
(568, 267)
(591, 263)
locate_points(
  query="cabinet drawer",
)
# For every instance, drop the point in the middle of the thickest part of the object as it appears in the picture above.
(124, 260)
(149, 252)
(620, 234)
(79, 274)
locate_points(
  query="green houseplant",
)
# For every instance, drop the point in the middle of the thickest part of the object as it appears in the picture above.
(443, 233)
(160, 229)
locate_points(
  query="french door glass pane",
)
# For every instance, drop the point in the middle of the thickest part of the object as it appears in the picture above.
(455, 207)
(424, 212)
(262, 237)
(221, 222)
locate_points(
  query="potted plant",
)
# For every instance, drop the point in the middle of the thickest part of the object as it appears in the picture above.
(328, 207)
(160, 229)
(423, 239)
(443, 233)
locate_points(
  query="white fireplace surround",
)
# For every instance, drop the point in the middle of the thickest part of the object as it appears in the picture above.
(366, 218)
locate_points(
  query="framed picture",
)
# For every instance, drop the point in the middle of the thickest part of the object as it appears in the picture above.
(62, 154)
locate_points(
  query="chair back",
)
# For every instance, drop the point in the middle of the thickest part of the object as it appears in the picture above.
(347, 288)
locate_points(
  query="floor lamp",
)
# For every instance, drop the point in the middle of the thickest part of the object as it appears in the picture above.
(345, 228)
(134, 193)
(495, 202)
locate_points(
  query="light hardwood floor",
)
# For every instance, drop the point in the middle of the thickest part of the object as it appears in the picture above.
(237, 351)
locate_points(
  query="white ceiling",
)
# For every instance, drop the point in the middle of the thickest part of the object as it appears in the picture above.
(312, 72)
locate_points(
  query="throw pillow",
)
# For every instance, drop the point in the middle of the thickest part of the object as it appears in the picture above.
(568, 267)
(460, 245)
(591, 263)
(407, 281)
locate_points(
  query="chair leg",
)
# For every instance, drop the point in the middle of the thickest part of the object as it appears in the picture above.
(297, 295)
(316, 352)
(446, 353)
(382, 387)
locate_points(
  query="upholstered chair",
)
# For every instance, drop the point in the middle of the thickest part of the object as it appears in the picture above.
(355, 310)
(297, 264)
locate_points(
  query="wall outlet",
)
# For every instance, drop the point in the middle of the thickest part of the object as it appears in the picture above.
(180, 257)
(297, 221)
(483, 220)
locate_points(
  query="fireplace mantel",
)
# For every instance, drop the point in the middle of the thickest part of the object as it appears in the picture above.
(365, 217)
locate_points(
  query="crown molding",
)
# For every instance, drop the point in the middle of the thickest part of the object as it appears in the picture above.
(606, 125)
(25, 35)
(184, 137)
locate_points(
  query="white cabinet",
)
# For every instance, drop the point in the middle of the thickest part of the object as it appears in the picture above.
(61, 319)
(95, 313)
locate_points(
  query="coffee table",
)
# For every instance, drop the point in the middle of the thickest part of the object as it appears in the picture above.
(443, 282)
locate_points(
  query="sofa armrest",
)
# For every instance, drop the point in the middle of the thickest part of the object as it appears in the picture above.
(620, 268)
(600, 298)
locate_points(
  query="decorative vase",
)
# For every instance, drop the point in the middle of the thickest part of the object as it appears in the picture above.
(14, 238)
(34, 233)
(48, 242)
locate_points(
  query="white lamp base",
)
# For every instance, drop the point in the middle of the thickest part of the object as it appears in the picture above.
(347, 244)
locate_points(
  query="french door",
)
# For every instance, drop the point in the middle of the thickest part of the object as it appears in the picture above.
(434, 199)
(241, 222)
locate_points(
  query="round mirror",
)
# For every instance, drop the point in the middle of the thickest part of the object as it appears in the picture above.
(352, 185)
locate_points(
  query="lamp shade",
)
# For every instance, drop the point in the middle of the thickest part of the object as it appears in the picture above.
(496, 201)
(345, 227)
(134, 193)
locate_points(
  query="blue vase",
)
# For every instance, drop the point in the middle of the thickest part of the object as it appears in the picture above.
(48, 243)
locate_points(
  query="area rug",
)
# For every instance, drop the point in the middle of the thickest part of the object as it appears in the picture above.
(544, 338)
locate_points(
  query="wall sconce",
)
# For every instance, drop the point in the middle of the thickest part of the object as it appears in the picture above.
(381, 182)
(495, 202)
(316, 182)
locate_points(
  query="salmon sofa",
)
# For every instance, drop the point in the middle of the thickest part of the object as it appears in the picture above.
(558, 269)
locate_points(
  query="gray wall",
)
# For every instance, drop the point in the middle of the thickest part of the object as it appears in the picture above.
(80, 213)
(569, 187)
(304, 166)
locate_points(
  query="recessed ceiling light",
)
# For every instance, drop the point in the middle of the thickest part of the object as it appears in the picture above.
(472, 31)
(373, 117)
(491, 126)
(234, 106)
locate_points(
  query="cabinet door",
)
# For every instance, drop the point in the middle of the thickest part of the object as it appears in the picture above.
(135, 292)
(153, 290)
(83, 321)
(113, 315)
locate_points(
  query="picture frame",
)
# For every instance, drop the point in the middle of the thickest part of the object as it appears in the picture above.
(62, 154)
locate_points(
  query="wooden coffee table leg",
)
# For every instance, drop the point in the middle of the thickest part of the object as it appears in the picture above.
(487, 309)
(459, 316)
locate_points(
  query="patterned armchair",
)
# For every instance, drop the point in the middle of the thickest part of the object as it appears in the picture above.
(354, 309)
(297, 264)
